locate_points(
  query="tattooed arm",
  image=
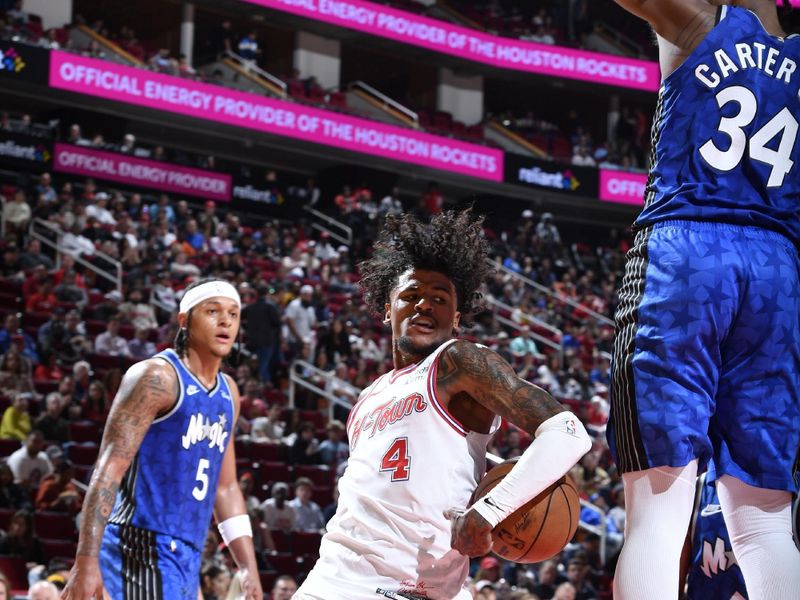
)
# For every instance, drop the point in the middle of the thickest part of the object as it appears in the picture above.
(148, 389)
(466, 370)
(230, 502)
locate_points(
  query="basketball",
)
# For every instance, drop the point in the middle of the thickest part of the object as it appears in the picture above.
(539, 529)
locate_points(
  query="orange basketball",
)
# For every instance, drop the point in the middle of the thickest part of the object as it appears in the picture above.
(539, 529)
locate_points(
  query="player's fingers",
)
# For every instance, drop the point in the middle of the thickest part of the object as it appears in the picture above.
(453, 513)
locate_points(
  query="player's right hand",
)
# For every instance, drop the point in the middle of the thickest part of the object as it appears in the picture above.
(470, 533)
(85, 582)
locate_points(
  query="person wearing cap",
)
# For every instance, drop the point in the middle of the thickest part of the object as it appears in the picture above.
(301, 319)
(277, 512)
(166, 462)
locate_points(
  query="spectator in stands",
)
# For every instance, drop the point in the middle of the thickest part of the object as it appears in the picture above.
(43, 590)
(220, 40)
(390, 204)
(334, 450)
(182, 267)
(547, 231)
(81, 375)
(16, 422)
(44, 190)
(16, 376)
(262, 322)
(140, 346)
(16, 15)
(164, 293)
(73, 242)
(162, 208)
(248, 48)
(51, 423)
(10, 265)
(136, 312)
(110, 342)
(95, 405)
(269, 428)
(17, 214)
(308, 513)
(523, 345)
(111, 382)
(301, 319)
(57, 492)
(69, 292)
(49, 369)
(216, 580)
(194, 237)
(33, 257)
(12, 495)
(433, 199)
(578, 576)
(335, 343)
(98, 209)
(29, 464)
(593, 477)
(546, 580)
(43, 300)
(221, 243)
(284, 588)
(276, 510)
(76, 136)
(304, 450)
(20, 539)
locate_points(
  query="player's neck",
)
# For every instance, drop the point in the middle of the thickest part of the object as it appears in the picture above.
(203, 365)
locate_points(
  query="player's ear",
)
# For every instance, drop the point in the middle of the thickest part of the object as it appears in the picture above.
(456, 321)
(182, 320)
(387, 317)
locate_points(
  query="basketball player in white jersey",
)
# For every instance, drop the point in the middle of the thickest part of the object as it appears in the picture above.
(418, 434)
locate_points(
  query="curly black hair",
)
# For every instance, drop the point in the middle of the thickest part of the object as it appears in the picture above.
(452, 244)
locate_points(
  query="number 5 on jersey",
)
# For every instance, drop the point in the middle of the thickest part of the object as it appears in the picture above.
(396, 460)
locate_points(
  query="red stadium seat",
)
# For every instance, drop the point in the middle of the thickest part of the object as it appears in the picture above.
(283, 540)
(83, 454)
(82, 432)
(14, 568)
(58, 548)
(319, 475)
(272, 472)
(261, 452)
(9, 446)
(285, 563)
(306, 543)
(5, 517)
(54, 525)
(268, 579)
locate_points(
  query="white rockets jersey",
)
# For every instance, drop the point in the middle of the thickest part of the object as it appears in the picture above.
(409, 462)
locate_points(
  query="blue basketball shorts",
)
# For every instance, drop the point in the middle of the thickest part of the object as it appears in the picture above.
(139, 564)
(706, 357)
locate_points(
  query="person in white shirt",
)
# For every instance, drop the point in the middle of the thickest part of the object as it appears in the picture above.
(29, 464)
(110, 342)
(276, 510)
(300, 317)
(99, 210)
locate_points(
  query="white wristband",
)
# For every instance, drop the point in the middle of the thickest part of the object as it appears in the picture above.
(235, 527)
(560, 442)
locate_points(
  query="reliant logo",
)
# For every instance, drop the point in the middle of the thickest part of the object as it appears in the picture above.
(11, 61)
(200, 429)
(563, 180)
(36, 153)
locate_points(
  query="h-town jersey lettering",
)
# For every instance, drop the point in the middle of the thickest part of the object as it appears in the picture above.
(410, 460)
(175, 495)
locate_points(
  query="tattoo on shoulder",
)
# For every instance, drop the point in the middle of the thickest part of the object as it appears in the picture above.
(492, 382)
(693, 32)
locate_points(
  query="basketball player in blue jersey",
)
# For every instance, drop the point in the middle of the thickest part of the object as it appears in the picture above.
(165, 463)
(707, 351)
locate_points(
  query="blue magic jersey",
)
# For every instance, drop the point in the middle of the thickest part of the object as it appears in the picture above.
(171, 484)
(714, 572)
(725, 131)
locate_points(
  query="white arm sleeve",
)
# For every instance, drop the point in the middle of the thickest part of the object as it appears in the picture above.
(560, 442)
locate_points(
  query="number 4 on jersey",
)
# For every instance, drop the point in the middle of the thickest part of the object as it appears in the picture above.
(397, 460)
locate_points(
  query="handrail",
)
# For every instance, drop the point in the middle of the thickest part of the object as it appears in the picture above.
(619, 38)
(540, 338)
(110, 45)
(116, 280)
(247, 69)
(346, 237)
(549, 292)
(384, 108)
(543, 324)
(458, 16)
(386, 100)
(296, 379)
(518, 139)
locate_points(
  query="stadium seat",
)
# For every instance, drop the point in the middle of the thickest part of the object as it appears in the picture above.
(14, 568)
(9, 446)
(83, 454)
(261, 452)
(54, 525)
(306, 543)
(282, 539)
(267, 579)
(82, 432)
(5, 517)
(58, 548)
(320, 475)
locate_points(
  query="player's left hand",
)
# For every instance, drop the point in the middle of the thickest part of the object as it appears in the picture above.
(251, 585)
(470, 533)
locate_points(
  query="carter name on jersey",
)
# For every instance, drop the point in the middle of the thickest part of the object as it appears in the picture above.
(754, 55)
